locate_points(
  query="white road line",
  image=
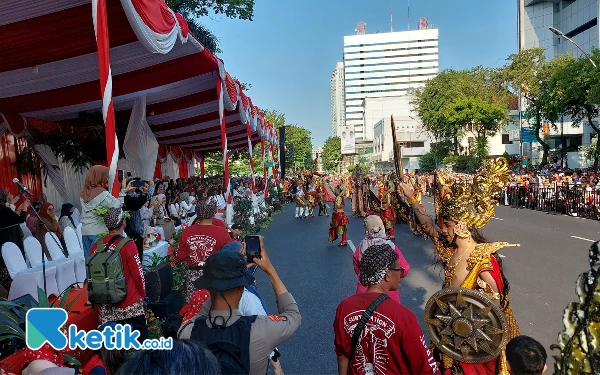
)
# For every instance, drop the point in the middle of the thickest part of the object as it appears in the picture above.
(501, 256)
(584, 239)
(497, 218)
(352, 247)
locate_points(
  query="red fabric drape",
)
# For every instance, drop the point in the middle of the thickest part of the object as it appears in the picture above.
(9, 149)
(157, 170)
(183, 168)
(202, 167)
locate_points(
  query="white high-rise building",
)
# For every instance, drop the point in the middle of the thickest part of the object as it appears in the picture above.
(578, 20)
(338, 106)
(385, 65)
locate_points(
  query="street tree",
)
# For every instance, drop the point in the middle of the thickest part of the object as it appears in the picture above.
(300, 138)
(585, 88)
(191, 10)
(528, 73)
(332, 153)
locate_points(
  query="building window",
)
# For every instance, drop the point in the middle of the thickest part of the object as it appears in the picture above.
(414, 144)
(506, 140)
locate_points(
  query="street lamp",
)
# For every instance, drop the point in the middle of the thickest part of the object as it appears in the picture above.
(560, 34)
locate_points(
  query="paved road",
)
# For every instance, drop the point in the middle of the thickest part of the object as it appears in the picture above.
(542, 274)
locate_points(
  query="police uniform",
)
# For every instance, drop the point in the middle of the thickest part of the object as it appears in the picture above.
(267, 332)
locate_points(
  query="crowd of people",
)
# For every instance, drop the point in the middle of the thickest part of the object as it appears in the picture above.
(225, 326)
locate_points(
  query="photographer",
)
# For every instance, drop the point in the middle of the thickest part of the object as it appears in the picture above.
(225, 276)
(134, 199)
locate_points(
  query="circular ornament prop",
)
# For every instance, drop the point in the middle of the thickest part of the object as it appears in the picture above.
(466, 325)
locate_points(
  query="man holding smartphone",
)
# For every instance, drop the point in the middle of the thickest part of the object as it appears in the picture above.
(226, 276)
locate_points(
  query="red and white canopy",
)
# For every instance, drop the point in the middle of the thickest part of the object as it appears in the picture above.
(49, 70)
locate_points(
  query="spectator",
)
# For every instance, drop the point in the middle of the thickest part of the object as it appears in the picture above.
(133, 201)
(199, 241)
(45, 367)
(146, 214)
(405, 351)
(161, 216)
(95, 196)
(105, 362)
(48, 224)
(131, 309)
(10, 231)
(375, 235)
(66, 220)
(236, 232)
(186, 358)
(526, 356)
(226, 278)
(175, 210)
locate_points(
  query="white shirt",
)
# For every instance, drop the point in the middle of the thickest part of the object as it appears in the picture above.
(174, 209)
(250, 305)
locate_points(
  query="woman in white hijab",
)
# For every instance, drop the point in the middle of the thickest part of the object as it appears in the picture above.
(375, 235)
(161, 216)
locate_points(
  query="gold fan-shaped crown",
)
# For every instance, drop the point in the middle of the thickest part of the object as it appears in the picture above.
(474, 203)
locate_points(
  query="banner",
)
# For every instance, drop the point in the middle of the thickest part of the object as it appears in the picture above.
(348, 140)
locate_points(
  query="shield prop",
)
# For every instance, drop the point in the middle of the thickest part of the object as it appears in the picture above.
(466, 325)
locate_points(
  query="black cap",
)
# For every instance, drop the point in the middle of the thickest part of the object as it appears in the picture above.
(223, 271)
(236, 226)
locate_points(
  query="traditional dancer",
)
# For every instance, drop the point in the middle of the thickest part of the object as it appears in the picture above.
(311, 203)
(339, 220)
(469, 260)
(322, 198)
(300, 200)
(388, 212)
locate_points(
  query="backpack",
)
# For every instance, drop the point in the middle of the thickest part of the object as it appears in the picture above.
(104, 271)
(230, 345)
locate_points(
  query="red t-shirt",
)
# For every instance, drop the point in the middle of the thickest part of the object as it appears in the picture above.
(219, 223)
(198, 242)
(391, 342)
(132, 268)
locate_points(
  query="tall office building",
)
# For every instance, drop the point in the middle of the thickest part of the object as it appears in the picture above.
(577, 19)
(385, 65)
(338, 108)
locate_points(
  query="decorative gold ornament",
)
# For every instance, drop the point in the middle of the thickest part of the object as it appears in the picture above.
(474, 203)
(466, 325)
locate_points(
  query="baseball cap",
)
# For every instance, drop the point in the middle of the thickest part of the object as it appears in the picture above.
(224, 270)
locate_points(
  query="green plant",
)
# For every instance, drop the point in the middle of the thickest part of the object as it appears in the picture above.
(154, 325)
(155, 261)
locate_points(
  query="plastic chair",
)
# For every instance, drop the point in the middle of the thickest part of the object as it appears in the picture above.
(76, 254)
(26, 231)
(26, 280)
(78, 230)
(65, 276)
(33, 252)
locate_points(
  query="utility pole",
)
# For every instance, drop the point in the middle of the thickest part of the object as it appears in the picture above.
(408, 15)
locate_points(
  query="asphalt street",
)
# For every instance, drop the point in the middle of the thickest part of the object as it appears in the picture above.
(541, 272)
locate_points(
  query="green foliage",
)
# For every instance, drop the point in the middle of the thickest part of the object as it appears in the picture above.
(155, 261)
(351, 168)
(506, 156)
(301, 139)
(456, 102)
(332, 153)
(462, 163)
(275, 117)
(428, 162)
(154, 325)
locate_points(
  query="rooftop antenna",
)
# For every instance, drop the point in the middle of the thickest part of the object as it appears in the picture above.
(408, 15)
(391, 20)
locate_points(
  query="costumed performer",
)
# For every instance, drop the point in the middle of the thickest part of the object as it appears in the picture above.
(322, 197)
(339, 220)
(300, 200)
(469, 260)
(388, 212)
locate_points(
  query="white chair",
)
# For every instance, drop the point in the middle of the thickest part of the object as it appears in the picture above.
(33, 252)
(26, 231)
(26, 280)
(66, 267)
(78, 230)
(76, 253)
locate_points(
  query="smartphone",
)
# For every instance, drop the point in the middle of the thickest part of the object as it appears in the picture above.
(120, 174)
(138, 183)
(252, 247)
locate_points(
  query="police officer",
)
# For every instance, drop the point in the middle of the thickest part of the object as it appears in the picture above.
(226, 276)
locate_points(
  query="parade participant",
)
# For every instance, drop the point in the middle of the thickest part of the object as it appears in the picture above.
(358, 199)
(469, 260)
(311, 203)
(388, 212)
(375, 334)
(526, 356)
(339, 220)
(300, 200)
(322, 198)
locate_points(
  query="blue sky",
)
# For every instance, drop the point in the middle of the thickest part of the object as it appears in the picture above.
(290, 49)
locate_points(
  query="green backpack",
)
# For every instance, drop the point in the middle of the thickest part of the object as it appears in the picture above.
(105, 276)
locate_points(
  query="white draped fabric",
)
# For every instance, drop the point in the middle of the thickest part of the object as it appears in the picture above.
(140, 145)
(52, 169)
(170, 168)
(74, 183)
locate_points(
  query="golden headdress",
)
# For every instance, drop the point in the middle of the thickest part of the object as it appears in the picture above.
(473, 203)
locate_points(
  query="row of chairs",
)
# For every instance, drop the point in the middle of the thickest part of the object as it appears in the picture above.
(61, 272)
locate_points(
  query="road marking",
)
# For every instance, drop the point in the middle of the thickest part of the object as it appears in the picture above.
(501, 256)
(497, 218)
(584, 239)
(352, 247)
